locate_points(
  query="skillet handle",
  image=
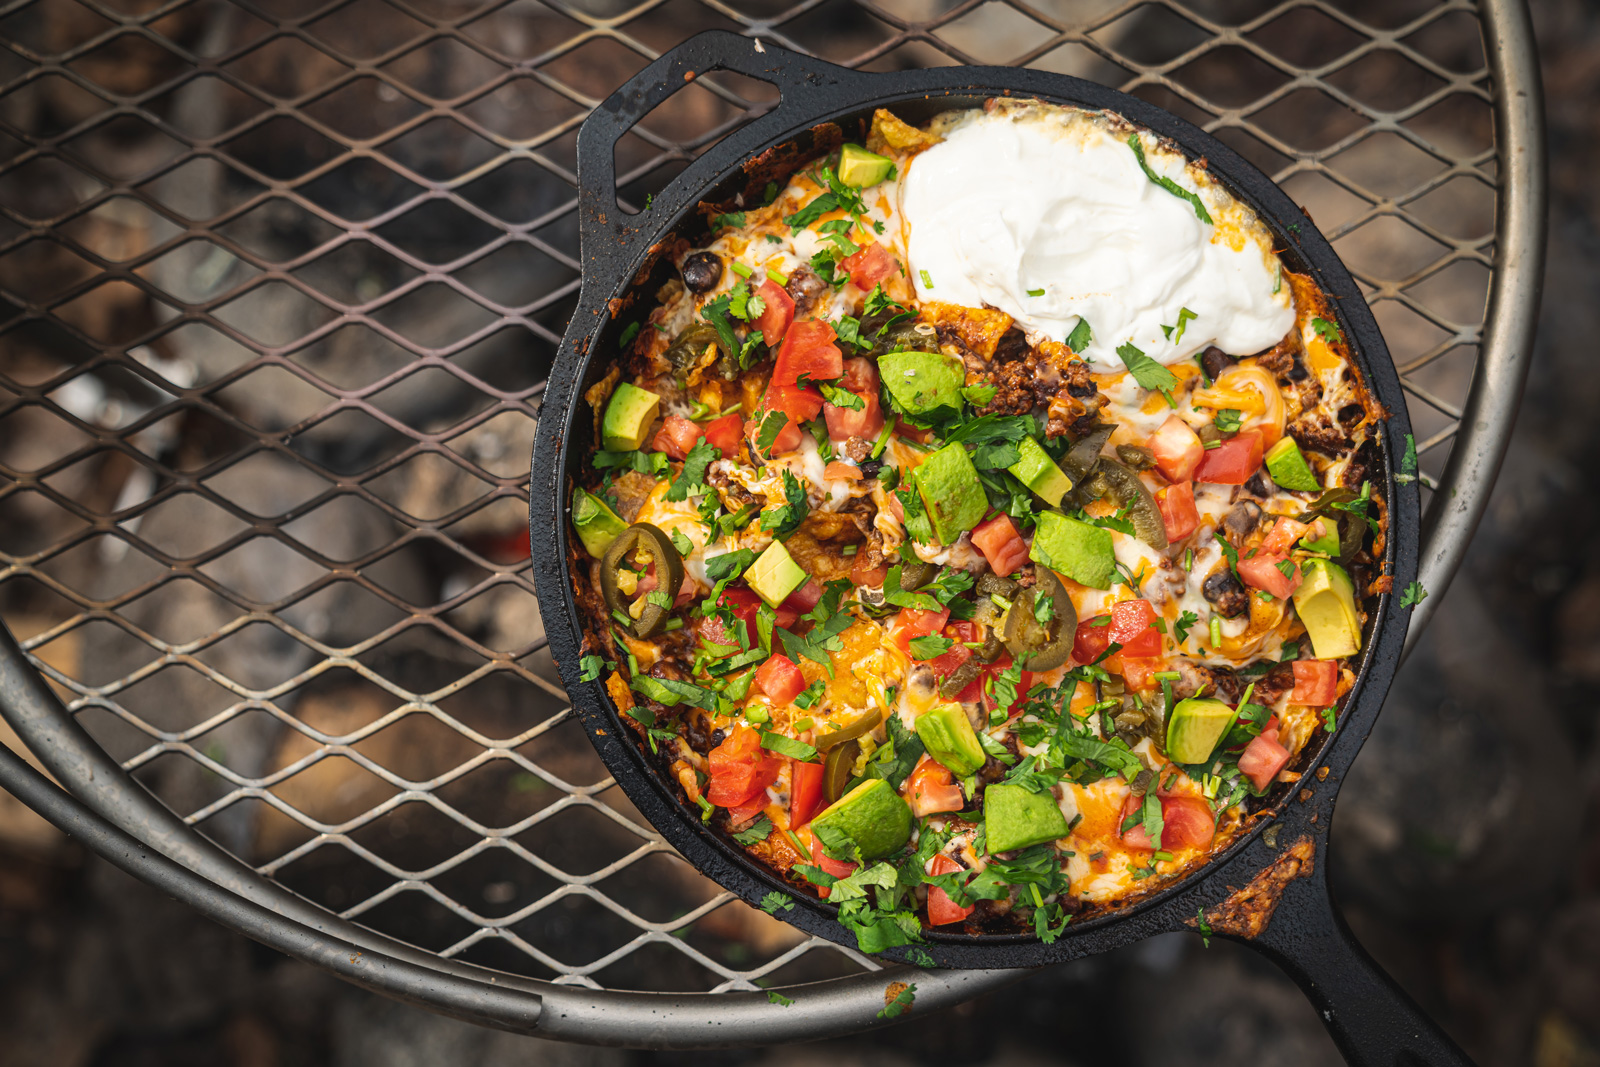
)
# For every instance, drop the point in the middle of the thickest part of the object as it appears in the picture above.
(606, 230)
(1372, 1020)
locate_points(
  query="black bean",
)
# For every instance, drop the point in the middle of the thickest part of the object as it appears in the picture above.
(1214, 361)
(702, 271)
(1226, 594)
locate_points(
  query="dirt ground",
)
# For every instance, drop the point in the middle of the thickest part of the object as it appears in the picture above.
(1466, 848)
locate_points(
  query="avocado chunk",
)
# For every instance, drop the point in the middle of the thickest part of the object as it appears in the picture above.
(1328, 543)
(1288, 467)
(1039, 472)
(948, 736)
(872, 817)
(860, 168)
(1076, 549)
(1194, 728)
(596, 523)
(775, 574)
(1016, 818)
(951, 492)
(628, 418)
(921, 382)
(1326, 603)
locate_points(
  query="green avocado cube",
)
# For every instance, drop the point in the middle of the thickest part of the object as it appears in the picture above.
(1039, 472)
(1326, 604)
(1074, 548)
(1328, 543)
(920, 382)
(859, 168)
(1288, 467)
(1194, 728)
(1015, 817)
(948, 736)
(775, 574)
(951, 492)
(872, 817)
(596, 523)
(628, 418)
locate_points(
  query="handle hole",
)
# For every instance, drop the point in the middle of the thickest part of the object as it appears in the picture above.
(677, 130)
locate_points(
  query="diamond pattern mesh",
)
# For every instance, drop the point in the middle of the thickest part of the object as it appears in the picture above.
(279, 285)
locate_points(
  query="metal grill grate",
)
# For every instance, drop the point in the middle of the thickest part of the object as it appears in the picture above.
(279, 284)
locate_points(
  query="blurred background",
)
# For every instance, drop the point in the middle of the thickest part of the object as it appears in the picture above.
(279, 285)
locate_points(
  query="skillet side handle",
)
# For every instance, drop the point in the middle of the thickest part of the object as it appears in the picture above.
(599, 217)
(1374, 1022)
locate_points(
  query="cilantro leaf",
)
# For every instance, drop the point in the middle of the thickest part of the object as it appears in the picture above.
(590, 665)
(693, 475)
(918, 526)
(841, 398)
(818, 642)
(813, 211)
(1408, 462)
(1414, 594)
(1328, 331)
(744, 304)
(787, 746)
(1228, 421)
(775, 902)
(716, 313)
(1081, 336)
(730, 564)
(900, 1004)
(1229, 553)
(1167, 183)
(671, 692)
(731, 218)
(755, 833)
(1175, 333)
(1180, 629)
(787, 517)
(680, 542)
(929, 646)
(776, 997)
(628, 334)
(1146, 371)
(772, 424)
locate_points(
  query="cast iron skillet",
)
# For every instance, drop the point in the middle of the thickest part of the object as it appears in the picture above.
(1281, 864)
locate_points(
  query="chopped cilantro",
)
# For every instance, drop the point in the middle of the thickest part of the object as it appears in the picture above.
(841, 398)
(1035, 292)
(755, 833)
(680, 542)
(778, 998)
(1230, 553)
(1175, 333)
(1228, 421)
(771, 425)
(900, 1004)
(787, 746)
(732, 218)
(775, 902)
(1081, 336)
(787, 517)
(1167, 183)
(1328, 331)
(1408, 462)
(1204, 927)
(1180, 629)
(929, 646)
(1414, 594)
(1147, 372)
(693, 475)
(628, 334)
(590, 666)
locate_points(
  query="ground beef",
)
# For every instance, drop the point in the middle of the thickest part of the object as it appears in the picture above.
(1313, 433)
(734, 496)
(805, 288)
(1080, 381)
(1012, 346)
(1280, 359)
(857, 449)
(1272, 685)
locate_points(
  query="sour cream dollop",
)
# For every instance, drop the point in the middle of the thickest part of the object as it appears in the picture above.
(1022, 200)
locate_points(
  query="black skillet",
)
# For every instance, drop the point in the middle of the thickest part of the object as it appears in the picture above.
(1284, 858)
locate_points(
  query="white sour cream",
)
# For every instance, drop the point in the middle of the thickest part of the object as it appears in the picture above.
(1029, 199)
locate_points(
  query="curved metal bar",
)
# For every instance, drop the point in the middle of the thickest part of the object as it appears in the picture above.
(117, 820)
(1513, 310)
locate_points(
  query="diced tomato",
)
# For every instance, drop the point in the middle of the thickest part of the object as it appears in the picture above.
(1178, 512)
(1138, 672)
(914, 622)
(775, 317)
(1134, 836)
(1316, 682)
(803, 599)
(1261, 571)
(941, 909)
(715, 630)
(676, 437)
(1001, 544)
(864, 572)
(740, 769)
(870, 266)
(808, 350)
(931, 788)
(788, 438)
(829, 865)
(1093, 637)
(744, 603)
(1001, 663)
(865, 422)
(726, 434)
(1186, 822)
(805, 792)
(747, 812)
(1283, 536)
(912, 433)
(780, 679)
(945, 665)
(1133, 627)
(1262, 759)
(1177, 448)
(860, 375)
(686, 589)
(1233, 461)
